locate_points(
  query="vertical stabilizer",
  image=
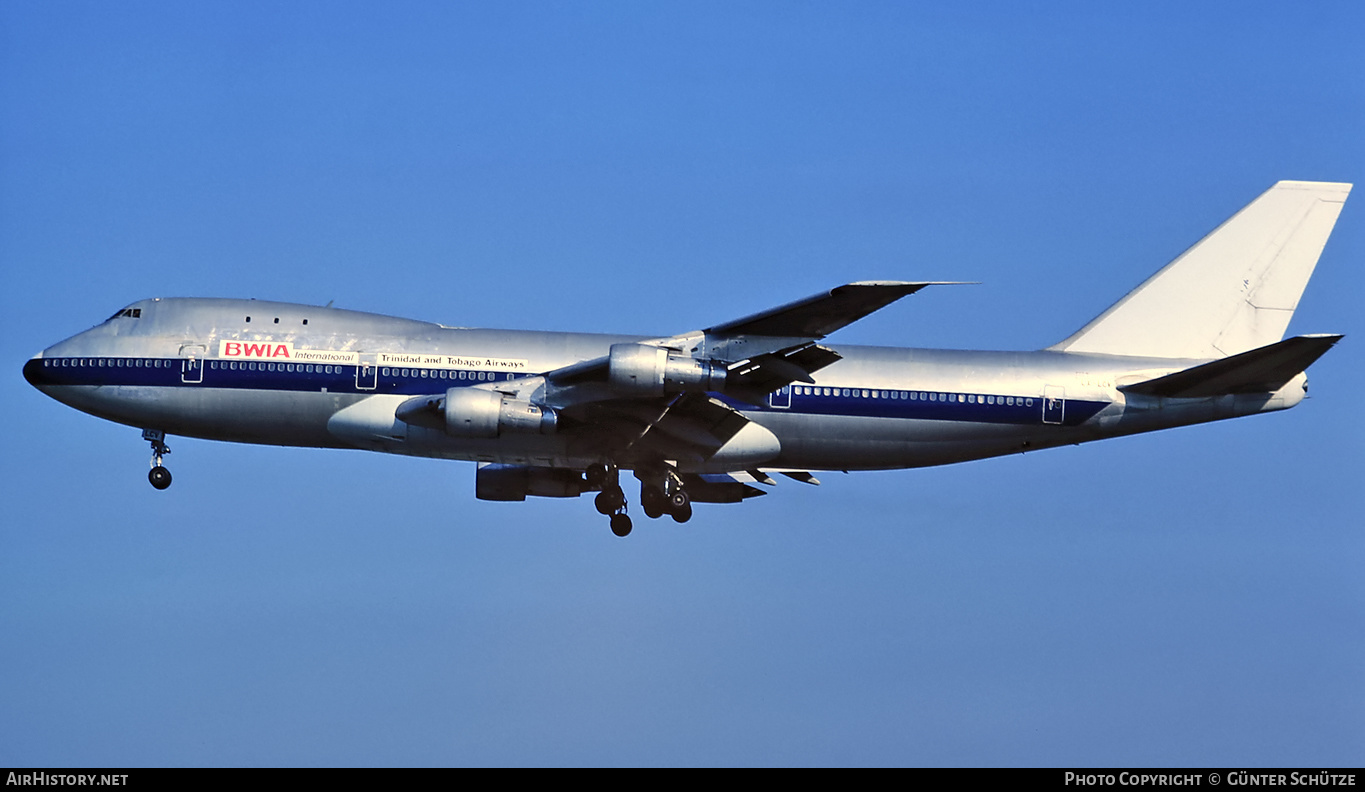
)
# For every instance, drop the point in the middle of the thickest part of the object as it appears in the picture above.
(1234, 291)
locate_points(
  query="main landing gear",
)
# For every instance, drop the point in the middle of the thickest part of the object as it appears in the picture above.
(670, 499)
(612, 499)
(657, 498)
(158, 475)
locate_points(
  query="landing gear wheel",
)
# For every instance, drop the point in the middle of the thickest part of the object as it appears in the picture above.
(609, 500)
(653, 501)
(680, 500)
(682, 515)
(160, 477)
(620, 524)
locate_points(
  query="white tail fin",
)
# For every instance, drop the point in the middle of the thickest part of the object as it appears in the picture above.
(1234, 291)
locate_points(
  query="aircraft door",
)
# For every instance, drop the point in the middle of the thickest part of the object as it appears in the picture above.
(1054, 404)
(782, 397)
(367, 372)
(192, 363)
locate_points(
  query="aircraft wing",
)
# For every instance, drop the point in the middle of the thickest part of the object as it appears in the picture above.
(672, 399)
(821, 314)
(746, 358)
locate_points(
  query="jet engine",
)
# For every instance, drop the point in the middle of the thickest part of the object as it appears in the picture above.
(644, 370)
(474, 412)
(471, 412)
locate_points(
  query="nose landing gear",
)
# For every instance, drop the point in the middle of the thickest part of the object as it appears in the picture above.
(158, 475)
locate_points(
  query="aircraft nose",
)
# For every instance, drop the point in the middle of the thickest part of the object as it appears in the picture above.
(33, 371)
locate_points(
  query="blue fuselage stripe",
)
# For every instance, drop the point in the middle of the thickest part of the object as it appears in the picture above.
(299, 377)
(939, 406)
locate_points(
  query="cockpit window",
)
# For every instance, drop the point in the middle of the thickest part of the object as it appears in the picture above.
(135, 313)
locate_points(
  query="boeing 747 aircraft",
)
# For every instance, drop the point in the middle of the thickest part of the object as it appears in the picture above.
(703, 416)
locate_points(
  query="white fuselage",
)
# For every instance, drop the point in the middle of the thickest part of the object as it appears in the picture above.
(283, 374)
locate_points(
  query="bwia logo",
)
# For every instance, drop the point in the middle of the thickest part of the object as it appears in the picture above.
(260, 350)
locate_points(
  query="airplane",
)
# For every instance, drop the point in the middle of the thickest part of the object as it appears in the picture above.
(703, 416)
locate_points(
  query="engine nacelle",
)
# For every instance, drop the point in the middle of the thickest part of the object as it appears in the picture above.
(644, 370)
(473, 412)
(515, 482)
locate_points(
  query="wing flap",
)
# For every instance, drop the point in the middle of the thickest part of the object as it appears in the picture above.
(753, 379)
(718, 489)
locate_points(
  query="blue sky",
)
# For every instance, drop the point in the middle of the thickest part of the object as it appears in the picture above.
(1183, 598)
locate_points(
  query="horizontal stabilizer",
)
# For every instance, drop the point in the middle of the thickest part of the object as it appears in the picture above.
(1263, 370)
